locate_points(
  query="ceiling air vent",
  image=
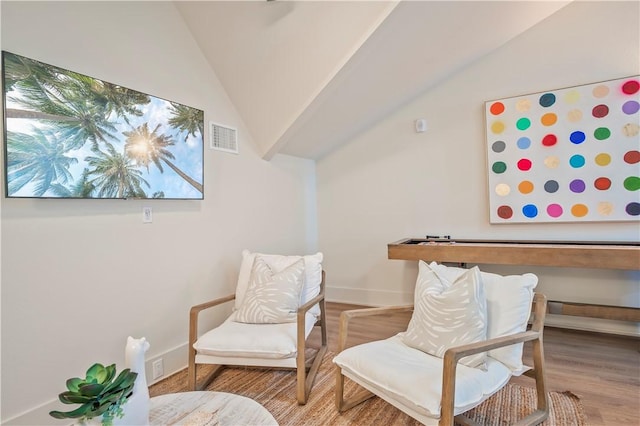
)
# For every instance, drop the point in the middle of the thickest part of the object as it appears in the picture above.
(223, 138)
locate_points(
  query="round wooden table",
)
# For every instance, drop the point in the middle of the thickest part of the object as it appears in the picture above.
(207, 408)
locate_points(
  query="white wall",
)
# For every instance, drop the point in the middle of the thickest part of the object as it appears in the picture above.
(391, 183)
(79, 276)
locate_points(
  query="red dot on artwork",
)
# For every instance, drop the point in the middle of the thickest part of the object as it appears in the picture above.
(505, 212)
(549, 140)
(600, 111)
(631, 87)
(602, 183)
(524, 164)
(497, 108)
(632, 157)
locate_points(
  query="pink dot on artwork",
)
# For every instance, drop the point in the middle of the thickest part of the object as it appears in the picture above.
(554, 210)
(524, 164)
(631, 87)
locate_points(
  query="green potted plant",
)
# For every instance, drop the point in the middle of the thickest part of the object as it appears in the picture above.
(101, 394)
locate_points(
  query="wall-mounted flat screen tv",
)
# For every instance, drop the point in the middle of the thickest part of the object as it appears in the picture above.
(67, 135)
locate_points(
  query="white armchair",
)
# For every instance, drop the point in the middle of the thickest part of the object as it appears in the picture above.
(278, 301)
(463, 344)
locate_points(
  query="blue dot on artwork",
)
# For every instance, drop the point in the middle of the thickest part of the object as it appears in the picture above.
(530, 211)
(524, 143)
(577, 137)
(547, 100)
(576, 161)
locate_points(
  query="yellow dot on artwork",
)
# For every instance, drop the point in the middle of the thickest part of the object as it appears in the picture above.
(631, 129)
(605, 208)
(572, 96)
(579, 210)
(497, 127)
(525, 187)
(603, 159)
(600, 91)
(574, 115)
(523, 105)
(551, 162)
(549, 119)
(502, 189)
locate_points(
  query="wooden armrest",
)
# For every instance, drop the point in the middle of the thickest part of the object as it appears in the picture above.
(210, 304)
(311, 303)
(195, 310)
(346, 316)
(462, 351)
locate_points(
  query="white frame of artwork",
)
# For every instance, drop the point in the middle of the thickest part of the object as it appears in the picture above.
(565, 155)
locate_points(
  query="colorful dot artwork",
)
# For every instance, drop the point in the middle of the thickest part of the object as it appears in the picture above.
(566, 155)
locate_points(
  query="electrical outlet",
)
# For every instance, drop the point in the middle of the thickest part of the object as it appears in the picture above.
(158, 369)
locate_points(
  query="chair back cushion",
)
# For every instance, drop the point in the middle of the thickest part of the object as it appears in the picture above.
(272, 297)
(448, 314)
(312, 277)
(508, 308)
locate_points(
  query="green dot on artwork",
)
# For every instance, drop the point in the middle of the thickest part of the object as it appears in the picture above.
(632, 183)
(523, 124)
(499, 167)
(602, 133)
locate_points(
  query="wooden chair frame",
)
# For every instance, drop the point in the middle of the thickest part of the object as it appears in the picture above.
(450, 363)
(305, 374)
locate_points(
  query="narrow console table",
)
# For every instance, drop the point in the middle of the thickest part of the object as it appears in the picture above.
(577, 254)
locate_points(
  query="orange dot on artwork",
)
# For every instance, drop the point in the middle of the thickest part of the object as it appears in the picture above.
(525, 187)
(497, 108)
(579, 210)
(549, 119)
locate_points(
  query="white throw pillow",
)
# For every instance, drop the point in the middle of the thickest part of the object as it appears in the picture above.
(448, 314)
(272, 297)
(312, 274)
(508, 308)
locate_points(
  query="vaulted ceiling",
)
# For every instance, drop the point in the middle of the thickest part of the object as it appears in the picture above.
(307, 76)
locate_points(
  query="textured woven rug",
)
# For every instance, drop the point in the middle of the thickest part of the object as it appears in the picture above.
(275, 390)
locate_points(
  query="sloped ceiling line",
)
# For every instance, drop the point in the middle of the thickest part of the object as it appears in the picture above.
(308, 76)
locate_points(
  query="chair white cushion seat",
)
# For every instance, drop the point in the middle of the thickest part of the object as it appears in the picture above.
(411, 380)
(235, 339)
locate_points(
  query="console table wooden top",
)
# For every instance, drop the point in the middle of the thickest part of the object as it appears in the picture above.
(607, 255)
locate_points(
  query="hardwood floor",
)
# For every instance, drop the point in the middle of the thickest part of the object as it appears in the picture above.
(603, 370)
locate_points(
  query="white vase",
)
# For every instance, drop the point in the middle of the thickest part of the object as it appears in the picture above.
(136, 409)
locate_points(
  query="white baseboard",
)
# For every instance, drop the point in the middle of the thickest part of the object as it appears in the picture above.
(173, 360)
(357, 296)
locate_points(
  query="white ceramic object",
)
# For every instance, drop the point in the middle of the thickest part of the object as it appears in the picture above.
(136, 409)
